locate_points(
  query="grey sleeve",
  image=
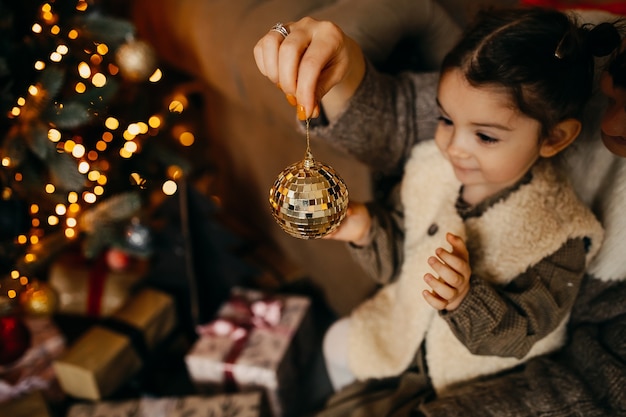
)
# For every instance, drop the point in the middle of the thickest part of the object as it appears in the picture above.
(382, 258)
(509, 320)
(385, 118)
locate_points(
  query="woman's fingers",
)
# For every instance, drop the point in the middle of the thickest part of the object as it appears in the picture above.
(306, 64)
(266, 55)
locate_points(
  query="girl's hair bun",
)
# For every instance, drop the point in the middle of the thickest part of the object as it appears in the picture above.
(603, 39)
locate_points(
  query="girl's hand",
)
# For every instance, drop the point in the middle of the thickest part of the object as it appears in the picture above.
(314, 58)
(355, 226)
(453, 269)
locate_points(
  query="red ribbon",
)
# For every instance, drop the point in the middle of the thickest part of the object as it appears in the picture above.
(240, 317)
(97, 278)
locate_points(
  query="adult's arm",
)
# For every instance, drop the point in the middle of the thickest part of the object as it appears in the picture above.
(585, 378)
(385, 118)
(214, 39)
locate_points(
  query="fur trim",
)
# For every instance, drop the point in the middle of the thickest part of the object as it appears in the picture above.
(510, 236)
(387, 329)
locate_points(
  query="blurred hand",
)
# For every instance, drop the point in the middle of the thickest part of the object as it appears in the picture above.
(355, 226)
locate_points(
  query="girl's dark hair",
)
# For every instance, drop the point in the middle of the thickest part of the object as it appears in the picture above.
(617, 69)
(541, 56)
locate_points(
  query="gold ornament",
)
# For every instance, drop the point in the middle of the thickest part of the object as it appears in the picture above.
(39, 299)
(137, 60)
(308, 199)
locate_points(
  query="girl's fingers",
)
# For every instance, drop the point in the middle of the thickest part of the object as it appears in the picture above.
(440, 287)
(434, 300)
(445, 272)
(458, 246)
(454, 262)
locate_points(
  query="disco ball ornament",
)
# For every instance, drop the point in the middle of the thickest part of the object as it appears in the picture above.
(308, 199)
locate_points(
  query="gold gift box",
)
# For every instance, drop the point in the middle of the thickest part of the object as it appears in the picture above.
(30, 405)
(72, 277)
(103, 358)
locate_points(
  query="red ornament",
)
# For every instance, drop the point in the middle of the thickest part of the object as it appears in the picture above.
(117, 259)
(14, 339)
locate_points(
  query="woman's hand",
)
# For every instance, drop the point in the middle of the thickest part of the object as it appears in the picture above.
(316, 60)
(453, 268)
(355, 226)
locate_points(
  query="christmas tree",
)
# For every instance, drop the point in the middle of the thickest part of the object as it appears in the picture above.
(89, 136)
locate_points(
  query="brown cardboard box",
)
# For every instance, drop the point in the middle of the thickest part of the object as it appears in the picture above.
(108, 354)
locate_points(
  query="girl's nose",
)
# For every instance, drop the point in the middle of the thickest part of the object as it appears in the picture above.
(457, 148)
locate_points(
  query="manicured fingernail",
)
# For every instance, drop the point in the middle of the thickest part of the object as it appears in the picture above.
(316, 112)
(301, 112)
(280, 87)
(291, 99)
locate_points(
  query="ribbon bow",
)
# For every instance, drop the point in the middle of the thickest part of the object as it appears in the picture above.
(238, 318)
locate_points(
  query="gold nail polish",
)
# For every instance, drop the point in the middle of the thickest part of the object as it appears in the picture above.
(291, 99)
(316, 112)
(301, 112)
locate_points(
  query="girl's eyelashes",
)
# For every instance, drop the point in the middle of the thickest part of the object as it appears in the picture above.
(486, 139)
(481, 136)
(444, 120)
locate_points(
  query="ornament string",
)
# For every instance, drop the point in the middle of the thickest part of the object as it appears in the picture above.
(308, 156)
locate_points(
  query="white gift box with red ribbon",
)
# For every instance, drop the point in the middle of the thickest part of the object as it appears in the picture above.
(235, 405)
(256, 341)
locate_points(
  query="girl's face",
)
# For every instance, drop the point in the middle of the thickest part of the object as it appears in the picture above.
(613, 125)
(489, 144)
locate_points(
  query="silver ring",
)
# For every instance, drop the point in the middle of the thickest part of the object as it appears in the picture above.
(278, 27)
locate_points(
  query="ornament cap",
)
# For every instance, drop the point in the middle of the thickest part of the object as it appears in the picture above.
(308, 161)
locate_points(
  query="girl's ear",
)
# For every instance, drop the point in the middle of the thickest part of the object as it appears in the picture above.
(560, 138)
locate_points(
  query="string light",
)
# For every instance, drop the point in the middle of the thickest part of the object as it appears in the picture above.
(94, 68)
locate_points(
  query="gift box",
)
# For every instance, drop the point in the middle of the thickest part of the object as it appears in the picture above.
(227, 405)
(32, 404)
(33, 370)
(91, 287)
(109, 353)
(255, 341)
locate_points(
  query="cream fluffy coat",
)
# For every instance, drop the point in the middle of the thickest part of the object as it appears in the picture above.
(532, 223)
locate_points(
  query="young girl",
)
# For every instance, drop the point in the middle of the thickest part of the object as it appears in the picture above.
(510, 96)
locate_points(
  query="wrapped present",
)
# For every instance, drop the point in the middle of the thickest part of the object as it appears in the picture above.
(91, 287)
(32, 404)
(227, 405)
(111, 352)
(256, 341)
(33, 370)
